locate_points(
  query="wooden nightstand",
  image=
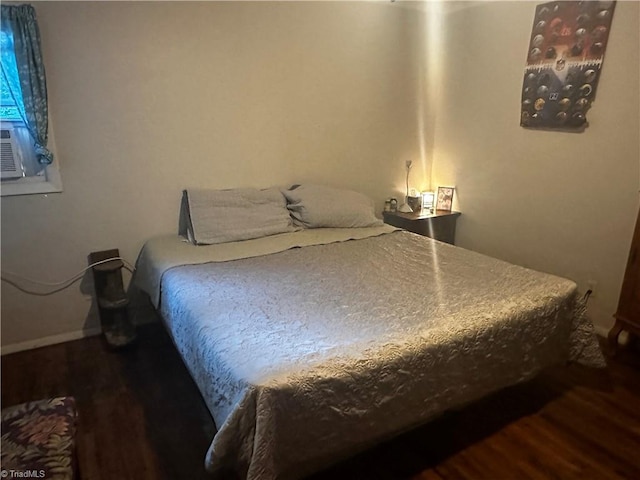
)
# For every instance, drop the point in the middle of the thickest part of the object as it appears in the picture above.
(440, 225)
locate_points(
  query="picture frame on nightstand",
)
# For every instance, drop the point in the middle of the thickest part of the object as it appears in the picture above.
(444, 198)
(428, 201)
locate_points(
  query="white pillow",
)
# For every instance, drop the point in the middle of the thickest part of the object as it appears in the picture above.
(219, 216)
(317, 206)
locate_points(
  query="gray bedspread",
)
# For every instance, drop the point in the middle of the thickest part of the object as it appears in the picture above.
(311, 354)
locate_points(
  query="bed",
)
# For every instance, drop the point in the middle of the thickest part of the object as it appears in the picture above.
(312, 344)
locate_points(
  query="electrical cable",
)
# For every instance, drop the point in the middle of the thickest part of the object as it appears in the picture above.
(60, 285)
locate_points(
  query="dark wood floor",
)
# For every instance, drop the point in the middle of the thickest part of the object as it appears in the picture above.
(141, 417)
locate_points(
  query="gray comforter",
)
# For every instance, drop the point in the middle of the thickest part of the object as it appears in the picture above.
(310, 354)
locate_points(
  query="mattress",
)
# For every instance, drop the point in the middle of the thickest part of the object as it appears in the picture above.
(310, 347)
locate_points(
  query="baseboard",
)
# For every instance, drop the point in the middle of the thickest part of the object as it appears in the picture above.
(138, 315)
(52, 340)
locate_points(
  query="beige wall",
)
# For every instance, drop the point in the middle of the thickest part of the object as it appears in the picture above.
(150, 98)
(564, 203)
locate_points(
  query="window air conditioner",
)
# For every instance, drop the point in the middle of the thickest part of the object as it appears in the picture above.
(11, 165)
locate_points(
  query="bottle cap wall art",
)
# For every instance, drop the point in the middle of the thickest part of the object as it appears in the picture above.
(564, 60)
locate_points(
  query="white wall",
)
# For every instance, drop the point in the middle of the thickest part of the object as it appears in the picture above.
(563, 203)
(149, 98)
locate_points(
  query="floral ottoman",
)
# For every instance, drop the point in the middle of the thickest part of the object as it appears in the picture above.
(39, 438)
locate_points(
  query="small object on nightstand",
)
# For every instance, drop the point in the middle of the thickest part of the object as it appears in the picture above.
(415, 202)
(394, 205)
(112, 299)
(444, 200)
(440, 225)
(405, 208)
(427, 202)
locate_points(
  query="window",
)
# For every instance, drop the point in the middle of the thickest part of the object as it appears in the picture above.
(9, 109)
(27, 165)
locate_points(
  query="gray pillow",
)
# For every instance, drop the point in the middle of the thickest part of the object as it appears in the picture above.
(219, 216)
(317, 206)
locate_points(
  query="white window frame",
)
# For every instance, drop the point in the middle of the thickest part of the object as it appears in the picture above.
(48, 180)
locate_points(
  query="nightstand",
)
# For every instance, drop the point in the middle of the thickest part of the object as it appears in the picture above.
(440, 225)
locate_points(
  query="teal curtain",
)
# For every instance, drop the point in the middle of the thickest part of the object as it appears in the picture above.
(23, 72)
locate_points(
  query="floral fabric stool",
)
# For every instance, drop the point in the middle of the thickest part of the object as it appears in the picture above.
(38, 440)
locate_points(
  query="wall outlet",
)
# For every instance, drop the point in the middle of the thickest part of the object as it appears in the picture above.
(591, 285)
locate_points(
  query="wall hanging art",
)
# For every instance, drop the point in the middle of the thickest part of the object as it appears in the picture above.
(564, 62)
